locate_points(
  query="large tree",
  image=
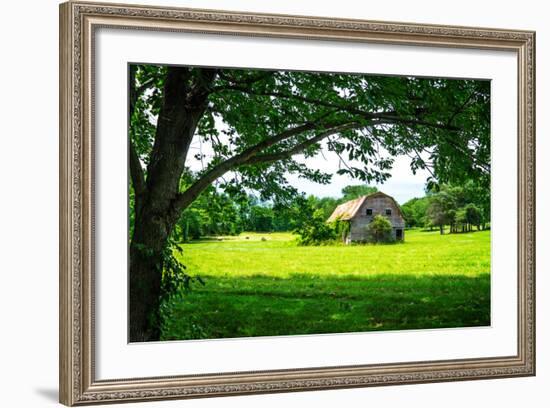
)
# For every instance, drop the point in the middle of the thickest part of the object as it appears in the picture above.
(356, 191)
(254, 123)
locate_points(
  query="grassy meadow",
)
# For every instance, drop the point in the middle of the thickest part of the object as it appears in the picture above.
(267, 285)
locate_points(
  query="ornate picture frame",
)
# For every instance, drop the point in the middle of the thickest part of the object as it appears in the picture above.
(78, 24)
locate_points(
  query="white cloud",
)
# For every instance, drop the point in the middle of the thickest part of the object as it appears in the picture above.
(402, 185)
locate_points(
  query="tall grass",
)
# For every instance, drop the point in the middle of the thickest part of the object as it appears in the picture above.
(265, 284)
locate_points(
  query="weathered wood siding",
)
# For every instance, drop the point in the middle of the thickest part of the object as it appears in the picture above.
(378, 204)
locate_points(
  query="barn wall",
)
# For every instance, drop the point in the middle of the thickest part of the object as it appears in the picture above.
(378, 204)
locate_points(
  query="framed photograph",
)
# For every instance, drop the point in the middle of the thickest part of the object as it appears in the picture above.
(256, 203)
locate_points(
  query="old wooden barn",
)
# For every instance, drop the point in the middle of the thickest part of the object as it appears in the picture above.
(361, 211)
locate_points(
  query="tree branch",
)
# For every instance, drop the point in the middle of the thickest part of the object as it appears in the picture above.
(136, 171)
(461, 108)
(245, 81)
(250, 156)
(300, 147)
(289, 96)
(486, 167)
(390, 116)
(335, 150)
(388, 119)
(184, 101)
(137, 93)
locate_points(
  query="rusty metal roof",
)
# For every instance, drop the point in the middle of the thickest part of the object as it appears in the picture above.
(346, 211)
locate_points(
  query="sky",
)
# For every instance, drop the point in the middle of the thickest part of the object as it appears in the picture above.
(402, 185)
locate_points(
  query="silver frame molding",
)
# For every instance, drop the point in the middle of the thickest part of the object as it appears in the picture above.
(78, 22)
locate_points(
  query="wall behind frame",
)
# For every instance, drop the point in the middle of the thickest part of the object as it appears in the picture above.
(29, 192)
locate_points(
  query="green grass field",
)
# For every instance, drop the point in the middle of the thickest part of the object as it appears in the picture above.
(274, 287)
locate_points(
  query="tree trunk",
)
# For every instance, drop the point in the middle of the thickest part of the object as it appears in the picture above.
(145, 280)
(441, 229)
(186, 231)
(184, 102)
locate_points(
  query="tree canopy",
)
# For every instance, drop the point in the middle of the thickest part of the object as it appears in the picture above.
(255, 122)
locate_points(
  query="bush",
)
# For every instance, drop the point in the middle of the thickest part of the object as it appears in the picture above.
(379, 230)
(315, 231)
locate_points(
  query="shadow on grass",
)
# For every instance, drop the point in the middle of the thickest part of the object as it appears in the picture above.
(306, 304)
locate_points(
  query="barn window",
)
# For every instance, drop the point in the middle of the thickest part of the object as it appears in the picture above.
(388, 211)
(369, 211)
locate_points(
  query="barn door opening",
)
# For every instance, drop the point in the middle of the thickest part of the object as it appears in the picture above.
(399, 234)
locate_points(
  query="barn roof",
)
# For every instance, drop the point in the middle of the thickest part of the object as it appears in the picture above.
(346, 211)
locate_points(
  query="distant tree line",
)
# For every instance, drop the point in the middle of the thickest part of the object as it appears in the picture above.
(215, 212)
(462, 208)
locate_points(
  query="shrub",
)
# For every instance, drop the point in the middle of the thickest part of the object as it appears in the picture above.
(315, 231)
(379, 230)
